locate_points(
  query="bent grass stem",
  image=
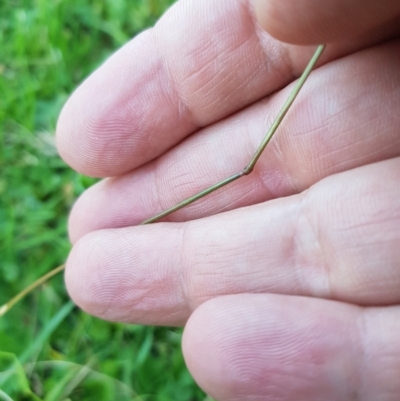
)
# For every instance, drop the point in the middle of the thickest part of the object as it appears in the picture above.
(246, 171)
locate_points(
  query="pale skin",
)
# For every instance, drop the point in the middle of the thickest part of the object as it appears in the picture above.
(287, 281)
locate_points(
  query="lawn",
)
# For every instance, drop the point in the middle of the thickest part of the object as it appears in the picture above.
(50, 350)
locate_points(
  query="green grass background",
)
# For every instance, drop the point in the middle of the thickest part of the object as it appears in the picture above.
(49, 350)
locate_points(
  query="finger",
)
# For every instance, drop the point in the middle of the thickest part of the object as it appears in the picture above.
(340, 240)
(271, 347)
(314, 21)
(342, 120)
(203, 61)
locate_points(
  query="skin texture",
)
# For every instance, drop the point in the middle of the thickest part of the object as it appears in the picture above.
(287, 281)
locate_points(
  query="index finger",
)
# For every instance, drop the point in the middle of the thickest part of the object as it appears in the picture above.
(203, 61)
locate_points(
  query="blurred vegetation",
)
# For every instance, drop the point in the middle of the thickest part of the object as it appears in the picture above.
(50, 350)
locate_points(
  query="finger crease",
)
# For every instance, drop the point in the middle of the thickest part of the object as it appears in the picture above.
(185, 111)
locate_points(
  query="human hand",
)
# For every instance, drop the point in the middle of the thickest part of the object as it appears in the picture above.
(286, 299)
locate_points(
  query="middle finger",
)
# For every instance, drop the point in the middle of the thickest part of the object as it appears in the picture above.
(346, 117)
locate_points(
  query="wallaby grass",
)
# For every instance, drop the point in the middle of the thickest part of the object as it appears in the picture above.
(50, 350)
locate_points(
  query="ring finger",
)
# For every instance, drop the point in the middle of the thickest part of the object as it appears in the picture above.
(339, 240)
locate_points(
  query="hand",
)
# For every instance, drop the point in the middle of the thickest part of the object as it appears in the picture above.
(292, 292)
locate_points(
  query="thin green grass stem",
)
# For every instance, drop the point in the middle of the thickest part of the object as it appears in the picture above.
(246, 171)
(6, 307)
(249, 168)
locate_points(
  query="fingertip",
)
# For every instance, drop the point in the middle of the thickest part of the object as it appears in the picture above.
(205, 342)
(84, 268)
(262, 347)
(232, 345)
(95, 283)
(89, 213)
(105, 126)
(92, 129)
(116, 275)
